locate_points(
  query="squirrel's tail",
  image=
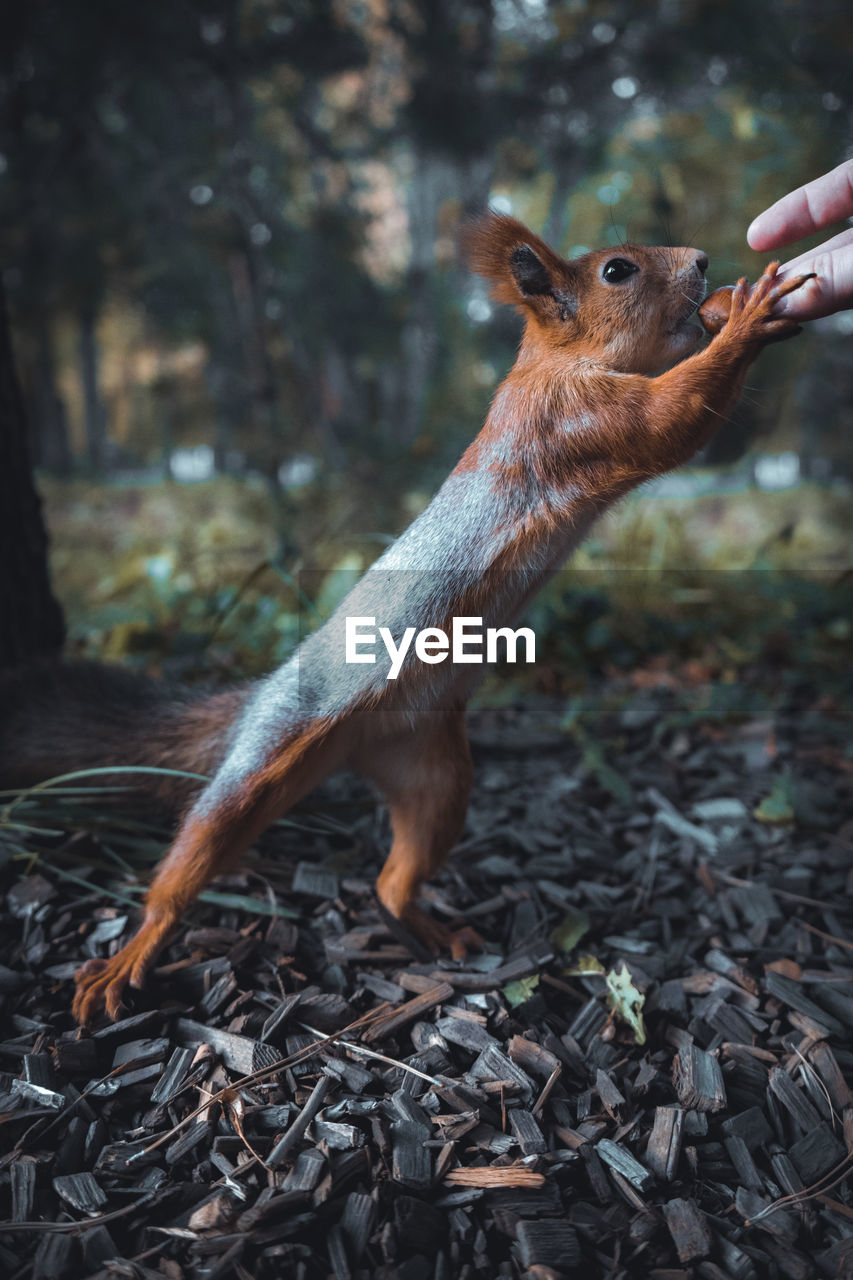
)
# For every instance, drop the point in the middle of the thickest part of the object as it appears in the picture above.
(56, 718)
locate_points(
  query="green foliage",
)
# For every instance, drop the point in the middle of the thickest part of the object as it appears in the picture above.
(570, 930)
(777, 808)
(188, 579)
(622, 996)
(626, 1001)
(795, 798)
(721, 581)
(518, 993)
(585, 966)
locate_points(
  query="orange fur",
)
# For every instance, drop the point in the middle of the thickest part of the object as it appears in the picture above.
(206, 847)
(426, 780)
(487, 244)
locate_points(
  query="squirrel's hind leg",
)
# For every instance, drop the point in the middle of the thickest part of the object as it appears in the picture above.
(425, 777)
(227, 818)
(206, 846)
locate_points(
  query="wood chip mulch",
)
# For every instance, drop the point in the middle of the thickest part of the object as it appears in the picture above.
(294, 1095)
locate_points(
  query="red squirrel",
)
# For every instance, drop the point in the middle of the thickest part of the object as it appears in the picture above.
(610, 387)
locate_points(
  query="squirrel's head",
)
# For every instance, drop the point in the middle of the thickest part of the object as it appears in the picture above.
(630, 307)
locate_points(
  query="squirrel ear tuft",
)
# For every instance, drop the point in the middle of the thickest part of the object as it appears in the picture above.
(522, 269)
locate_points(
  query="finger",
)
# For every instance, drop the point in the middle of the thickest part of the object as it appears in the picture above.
(807, 209)
(805, 261)
(832, 290)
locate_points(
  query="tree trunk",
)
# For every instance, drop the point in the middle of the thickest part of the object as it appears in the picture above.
(437, 179)
(47, 409)
(95, 417)
(31, 623)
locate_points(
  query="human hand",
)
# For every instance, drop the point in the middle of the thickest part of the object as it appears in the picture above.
(810, 208)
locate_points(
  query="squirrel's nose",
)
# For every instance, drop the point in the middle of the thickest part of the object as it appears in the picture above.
(701, 263)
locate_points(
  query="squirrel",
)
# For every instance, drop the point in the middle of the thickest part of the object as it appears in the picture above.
(611, 387)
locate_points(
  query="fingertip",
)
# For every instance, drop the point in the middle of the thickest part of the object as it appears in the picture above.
(753, 234)
(761, 237)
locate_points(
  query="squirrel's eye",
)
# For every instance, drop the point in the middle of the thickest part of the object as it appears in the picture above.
(618, 269)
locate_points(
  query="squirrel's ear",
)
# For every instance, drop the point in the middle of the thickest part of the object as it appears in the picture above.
(522, 269)
(530, 273)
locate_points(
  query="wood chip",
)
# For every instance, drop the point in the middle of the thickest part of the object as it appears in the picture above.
(793, 1100)
(237, 1052)
(514, 1176)
(387, 1024)
(550, 1245)
(527, 1132)
(411, 1163)
(824, 1062)
(745, 1167)
(792, 995)
(286, 1148)
(493, 1065)
(817, 1153)
(618, 1158)
(172, 1078)
(22, 1176)
(315, 881)
(468, 1035)
(751, 1126)
(664, 1146)
(81, 1191)
(689, 1229)
(698, 1080)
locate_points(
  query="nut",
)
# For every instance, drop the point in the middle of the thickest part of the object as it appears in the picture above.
(714, 311)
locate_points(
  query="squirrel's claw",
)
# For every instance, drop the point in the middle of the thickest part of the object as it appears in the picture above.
(100, 985)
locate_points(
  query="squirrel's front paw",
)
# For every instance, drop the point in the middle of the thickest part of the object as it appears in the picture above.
(750, 310)
(762, 298)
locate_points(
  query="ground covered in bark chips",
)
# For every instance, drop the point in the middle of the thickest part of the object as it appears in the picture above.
(646, 1072)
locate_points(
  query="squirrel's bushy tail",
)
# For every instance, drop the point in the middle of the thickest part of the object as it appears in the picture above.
(56, 718)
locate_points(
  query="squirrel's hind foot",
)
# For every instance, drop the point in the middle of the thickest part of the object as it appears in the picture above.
(101, 983)
(426, 937)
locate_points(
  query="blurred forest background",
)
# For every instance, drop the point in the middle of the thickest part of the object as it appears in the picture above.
(247, 345)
